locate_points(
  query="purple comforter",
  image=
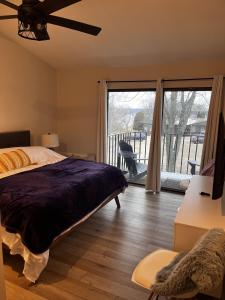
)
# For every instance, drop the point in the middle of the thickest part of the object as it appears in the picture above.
(41, 203)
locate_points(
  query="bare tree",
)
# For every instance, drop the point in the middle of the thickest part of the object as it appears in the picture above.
(121, 116)
(176, 112)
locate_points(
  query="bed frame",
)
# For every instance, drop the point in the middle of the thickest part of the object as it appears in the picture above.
(114, 195)
(22, 139)
(15, 139)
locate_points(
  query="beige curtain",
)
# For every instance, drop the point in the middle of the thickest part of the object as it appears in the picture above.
(101, 154)
(208, 152)
(153, 181)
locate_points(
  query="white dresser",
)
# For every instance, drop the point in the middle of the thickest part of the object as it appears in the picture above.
(197, 214)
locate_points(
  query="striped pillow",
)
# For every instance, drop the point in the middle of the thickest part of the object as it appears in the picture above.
(13, 160)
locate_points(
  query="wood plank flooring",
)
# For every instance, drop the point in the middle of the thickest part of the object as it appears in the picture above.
(96, 261)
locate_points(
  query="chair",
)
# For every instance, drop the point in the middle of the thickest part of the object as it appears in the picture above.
(193, 165)
(136, 169)
(155, 261)
(199, 266)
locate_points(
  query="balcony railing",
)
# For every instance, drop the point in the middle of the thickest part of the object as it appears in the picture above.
(190, 149)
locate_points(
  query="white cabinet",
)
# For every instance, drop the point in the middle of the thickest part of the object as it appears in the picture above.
(197, 214)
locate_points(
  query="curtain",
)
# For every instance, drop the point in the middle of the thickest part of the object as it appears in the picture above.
(208, 152)
(153, 181)
(101, 151)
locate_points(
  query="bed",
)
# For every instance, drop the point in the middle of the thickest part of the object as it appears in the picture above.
(48, 198)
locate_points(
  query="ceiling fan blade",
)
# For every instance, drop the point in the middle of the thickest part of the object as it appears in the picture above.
(9, 4)
(50, 6)
(75, 25)
(8, 17)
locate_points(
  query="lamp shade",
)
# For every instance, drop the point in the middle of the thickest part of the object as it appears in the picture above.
(50, 140)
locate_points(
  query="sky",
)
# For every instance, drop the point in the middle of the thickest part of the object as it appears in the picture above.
(139, 100)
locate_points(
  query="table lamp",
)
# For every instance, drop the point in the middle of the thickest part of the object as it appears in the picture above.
(50, 140)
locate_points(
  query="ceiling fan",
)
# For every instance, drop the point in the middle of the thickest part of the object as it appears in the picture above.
(34, 15)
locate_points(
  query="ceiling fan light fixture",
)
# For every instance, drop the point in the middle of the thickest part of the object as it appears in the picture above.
(34, 15)
(35, 32)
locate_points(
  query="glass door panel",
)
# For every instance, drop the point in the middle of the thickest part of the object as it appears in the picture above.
(130, 116)
(183, 130)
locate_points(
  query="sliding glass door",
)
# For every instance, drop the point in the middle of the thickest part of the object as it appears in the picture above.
(184, 117)
(130, 114)
(183, 130)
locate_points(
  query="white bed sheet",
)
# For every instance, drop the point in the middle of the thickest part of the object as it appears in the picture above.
(33, 264)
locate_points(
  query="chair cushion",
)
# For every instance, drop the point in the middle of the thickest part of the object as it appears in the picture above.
(145, 272)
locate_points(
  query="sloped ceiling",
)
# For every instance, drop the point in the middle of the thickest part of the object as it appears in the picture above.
(134, 33)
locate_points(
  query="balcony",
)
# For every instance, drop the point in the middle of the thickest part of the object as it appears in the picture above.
(178, 154)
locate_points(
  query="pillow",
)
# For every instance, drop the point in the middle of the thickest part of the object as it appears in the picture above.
(12, 160)
(38, 154)
(41, 155)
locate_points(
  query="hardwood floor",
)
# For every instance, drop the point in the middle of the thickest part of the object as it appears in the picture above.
(96, 261)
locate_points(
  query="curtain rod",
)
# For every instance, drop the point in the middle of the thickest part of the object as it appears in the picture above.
(178, 79)
(126, 81)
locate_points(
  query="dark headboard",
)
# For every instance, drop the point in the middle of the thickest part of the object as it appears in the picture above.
(15, 139)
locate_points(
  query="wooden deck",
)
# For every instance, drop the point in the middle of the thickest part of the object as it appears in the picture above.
(96, 261)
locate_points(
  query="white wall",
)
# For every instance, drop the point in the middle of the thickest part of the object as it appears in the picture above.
(77, 96)
(27, 91)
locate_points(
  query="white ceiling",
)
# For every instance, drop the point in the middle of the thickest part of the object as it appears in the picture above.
(134, 33)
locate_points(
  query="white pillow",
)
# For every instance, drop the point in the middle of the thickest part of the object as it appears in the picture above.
(38, 154)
